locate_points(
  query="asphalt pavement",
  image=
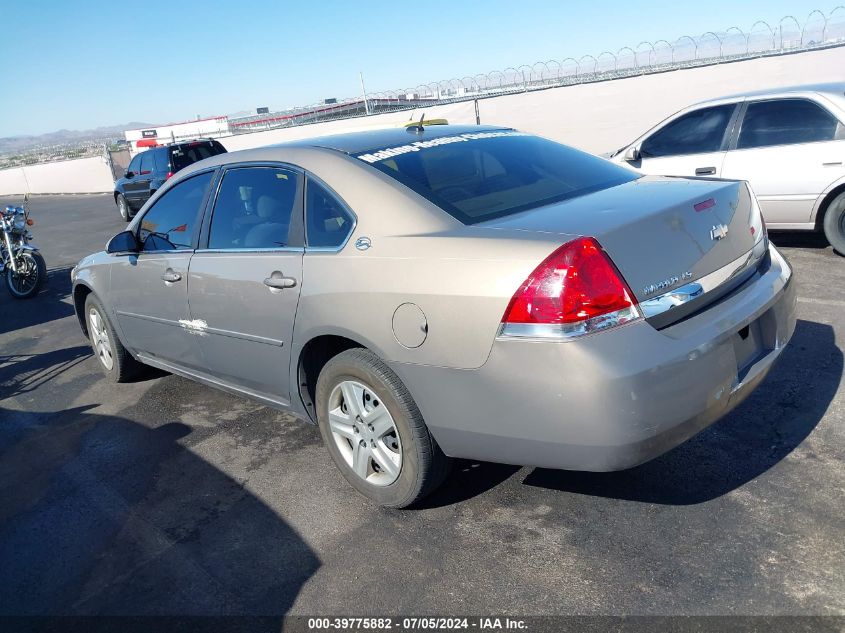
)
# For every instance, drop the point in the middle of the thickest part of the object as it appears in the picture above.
(167, 497)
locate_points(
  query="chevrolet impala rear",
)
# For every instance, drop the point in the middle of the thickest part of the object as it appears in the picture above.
(599, 318)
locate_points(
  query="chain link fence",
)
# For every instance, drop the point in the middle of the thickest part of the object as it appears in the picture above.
(789, 35)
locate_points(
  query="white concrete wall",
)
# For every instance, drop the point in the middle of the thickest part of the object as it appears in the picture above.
(84, 175)
(597, 117)
(601, 117)
(12, 181)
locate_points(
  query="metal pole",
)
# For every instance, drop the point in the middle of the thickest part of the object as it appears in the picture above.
(364, 92)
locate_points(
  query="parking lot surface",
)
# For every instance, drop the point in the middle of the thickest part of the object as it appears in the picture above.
(167, 497)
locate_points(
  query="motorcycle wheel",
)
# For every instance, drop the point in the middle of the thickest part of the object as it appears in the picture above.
(32, 272)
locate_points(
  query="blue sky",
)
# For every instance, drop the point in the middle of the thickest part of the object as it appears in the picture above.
(78, 65)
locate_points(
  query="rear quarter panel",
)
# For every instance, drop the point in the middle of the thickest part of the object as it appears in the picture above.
(460, 281)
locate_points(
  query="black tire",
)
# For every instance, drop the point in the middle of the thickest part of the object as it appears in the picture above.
(123, 207)
(123, 367)
(834, 223)
(28, 258)
(423, 467)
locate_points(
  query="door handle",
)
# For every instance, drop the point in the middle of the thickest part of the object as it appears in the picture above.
(278, 282)
(171, 276)
(705, 171)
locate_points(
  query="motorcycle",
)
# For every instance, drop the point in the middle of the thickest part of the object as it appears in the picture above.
(21, 265)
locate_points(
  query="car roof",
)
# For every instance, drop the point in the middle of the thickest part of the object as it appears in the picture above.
(357, 142)
(836, 89)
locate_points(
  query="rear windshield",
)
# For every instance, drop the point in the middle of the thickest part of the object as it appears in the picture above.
(183, 155)
(484, 175)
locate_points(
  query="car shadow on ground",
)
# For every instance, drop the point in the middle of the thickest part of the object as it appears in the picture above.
(48, 305)
(753, 438)
(102, 515)
(799, 239)
(467, 479)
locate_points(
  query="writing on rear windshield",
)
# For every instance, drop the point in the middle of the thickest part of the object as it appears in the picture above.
(416, 146)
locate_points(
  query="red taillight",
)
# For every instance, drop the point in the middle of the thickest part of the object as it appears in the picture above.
(169, 174)
(574, 286)
(30, 222)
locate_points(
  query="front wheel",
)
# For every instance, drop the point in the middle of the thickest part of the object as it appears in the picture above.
(26, 281)
(115, 360)
(834, 223)
(374, 431)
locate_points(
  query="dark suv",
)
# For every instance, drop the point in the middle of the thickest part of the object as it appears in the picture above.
(149, 169)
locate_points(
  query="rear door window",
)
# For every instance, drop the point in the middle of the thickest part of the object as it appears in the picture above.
(786, 122)
(171, 222)
(698, 132)
(328, 222)
(254, 209)
(161, 162)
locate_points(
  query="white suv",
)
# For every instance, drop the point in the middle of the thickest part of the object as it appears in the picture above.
(788, 143)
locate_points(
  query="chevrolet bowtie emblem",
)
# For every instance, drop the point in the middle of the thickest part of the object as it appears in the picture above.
(718, 232)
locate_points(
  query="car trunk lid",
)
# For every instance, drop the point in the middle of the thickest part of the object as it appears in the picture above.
(661, 233)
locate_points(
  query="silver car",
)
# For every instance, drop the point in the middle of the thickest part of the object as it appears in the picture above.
(788, 143)
(448, 291)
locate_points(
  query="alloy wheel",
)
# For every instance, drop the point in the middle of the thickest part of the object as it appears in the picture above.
(365, 433)
(100, 339)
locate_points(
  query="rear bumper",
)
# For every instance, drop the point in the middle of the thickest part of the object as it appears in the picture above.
(611, 400)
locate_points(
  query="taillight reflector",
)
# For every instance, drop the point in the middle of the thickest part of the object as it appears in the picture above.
(703, 206)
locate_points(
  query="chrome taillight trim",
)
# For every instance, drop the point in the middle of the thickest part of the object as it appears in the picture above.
(568, 331)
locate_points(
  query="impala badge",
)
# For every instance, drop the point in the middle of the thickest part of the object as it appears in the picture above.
(664, 284)
(718, 232)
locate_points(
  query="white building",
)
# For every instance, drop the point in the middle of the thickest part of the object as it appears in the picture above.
(211, 127)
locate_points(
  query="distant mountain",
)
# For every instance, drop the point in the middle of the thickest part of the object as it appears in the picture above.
(12, 144)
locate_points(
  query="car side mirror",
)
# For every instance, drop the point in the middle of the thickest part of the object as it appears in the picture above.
(125, 242)
(632, 154)
(128, 174)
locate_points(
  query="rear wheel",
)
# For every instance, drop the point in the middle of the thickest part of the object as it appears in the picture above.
(123, 207)
(115, 361)
(834, 223)
(374, 431)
